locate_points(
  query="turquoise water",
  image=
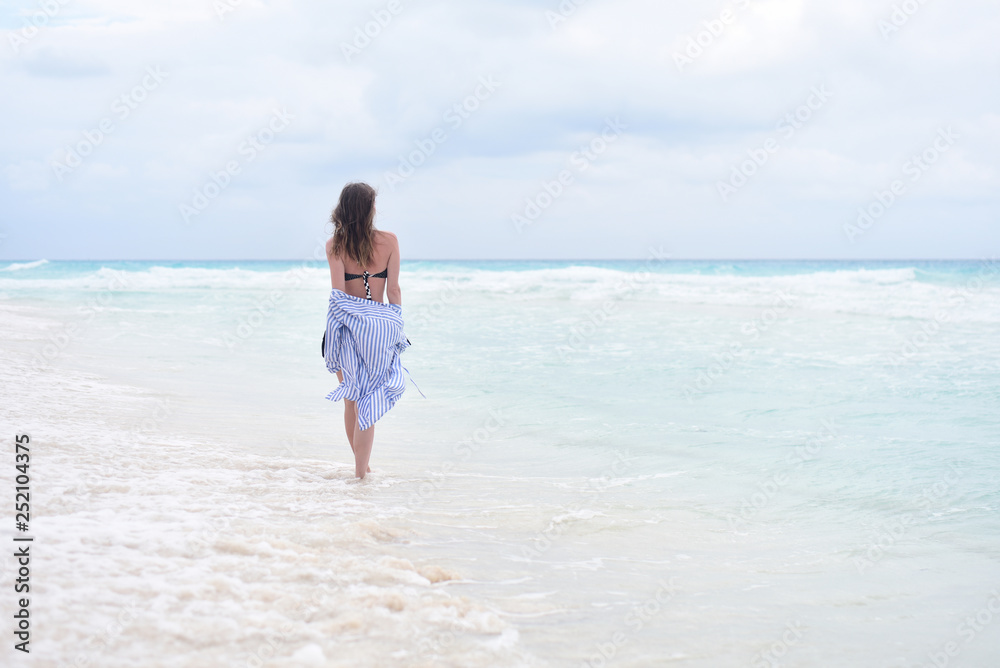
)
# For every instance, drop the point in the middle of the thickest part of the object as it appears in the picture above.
(929, 270)
(617, 463)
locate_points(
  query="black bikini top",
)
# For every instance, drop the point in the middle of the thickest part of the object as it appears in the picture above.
(365, 275)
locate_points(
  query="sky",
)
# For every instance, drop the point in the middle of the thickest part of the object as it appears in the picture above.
(502, 129)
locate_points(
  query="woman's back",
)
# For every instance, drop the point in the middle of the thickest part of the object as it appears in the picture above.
(383, 269)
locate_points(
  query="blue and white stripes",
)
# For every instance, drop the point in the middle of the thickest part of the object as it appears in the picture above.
(364, 339)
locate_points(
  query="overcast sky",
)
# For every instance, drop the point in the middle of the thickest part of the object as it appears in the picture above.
(225, 129)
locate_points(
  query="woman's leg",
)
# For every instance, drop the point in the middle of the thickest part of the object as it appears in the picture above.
(350, 419)
(362, 449)
(351, 425)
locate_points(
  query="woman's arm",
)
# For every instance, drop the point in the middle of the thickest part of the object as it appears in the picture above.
(336, 268)
(392, 291)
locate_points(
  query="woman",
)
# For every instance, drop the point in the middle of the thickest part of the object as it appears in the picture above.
(364, 264)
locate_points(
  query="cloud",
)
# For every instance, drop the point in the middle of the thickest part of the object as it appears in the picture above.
(56, 63)
(356, 116)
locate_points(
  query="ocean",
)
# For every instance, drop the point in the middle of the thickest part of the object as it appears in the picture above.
(629, 463)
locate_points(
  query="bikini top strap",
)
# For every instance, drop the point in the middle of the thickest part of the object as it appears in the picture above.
(364, 275)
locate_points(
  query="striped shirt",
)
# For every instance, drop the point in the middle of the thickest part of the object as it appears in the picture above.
(364, 339)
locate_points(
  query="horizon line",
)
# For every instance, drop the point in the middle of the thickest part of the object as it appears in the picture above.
(623, 259)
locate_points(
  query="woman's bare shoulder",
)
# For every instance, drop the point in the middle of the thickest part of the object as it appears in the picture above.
(330, 257)
(388, 238)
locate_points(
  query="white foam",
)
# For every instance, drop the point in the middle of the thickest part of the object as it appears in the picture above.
(891, 292)
(178, 278)
(21, 266)
(204, 553)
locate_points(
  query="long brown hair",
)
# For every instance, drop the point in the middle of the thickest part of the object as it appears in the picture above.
(354, 223)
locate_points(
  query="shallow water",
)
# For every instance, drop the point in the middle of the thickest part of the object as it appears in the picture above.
(628, 464)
